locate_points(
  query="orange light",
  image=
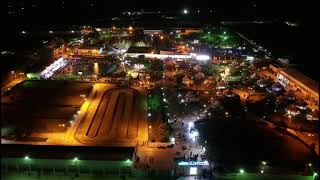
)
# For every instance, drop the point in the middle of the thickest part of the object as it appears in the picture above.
(130, 28)
(161, 37)
(113, 27)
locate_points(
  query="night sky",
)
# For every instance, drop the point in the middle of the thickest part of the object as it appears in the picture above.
(85, 11)
(19, 14)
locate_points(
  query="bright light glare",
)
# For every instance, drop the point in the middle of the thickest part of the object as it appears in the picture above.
(193, 171)
(173, 139)
(194, 134)
(75, 159)
(26, 157)
(185, 11)
(49, 71)
(241, 171)
(190, 125)
(202, 57)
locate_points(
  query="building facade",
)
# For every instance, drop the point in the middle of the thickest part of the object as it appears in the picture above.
(302, 86)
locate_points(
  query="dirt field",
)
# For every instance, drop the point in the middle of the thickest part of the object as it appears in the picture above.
(116, 116)
(40, 106)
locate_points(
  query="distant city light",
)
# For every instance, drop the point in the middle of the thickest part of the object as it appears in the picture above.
(75, 159)
(264, 162)
(185, 11)
(241, 171)
(26, 157)
(261, 171)
(130, 28)
(50, 32)
(24, 32)
(149, 114)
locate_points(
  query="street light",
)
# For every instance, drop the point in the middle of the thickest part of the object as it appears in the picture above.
(75, 159)
(264, 162)
(241, 171)
(26, 157)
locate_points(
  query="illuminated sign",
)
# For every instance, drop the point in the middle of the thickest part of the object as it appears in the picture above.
(283, 81)
(193, 163)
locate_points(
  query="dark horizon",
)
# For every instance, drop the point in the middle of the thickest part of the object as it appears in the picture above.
(61, 12)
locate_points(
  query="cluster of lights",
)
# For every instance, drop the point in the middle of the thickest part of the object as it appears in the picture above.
(49, 71)
(194, 134)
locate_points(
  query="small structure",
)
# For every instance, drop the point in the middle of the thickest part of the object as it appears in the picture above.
(187, 81)
(221, 85)
(313, 116)
(262, 83)
(293, 110)
(302, 105)
(277, 87)
(191, 97)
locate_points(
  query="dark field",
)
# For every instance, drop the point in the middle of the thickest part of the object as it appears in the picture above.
(41, 106)
(244, 143)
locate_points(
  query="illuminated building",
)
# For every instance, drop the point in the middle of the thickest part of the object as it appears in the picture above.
(302, 86)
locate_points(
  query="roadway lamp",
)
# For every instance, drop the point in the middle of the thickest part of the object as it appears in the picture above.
(241, 171)
(26, 157)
